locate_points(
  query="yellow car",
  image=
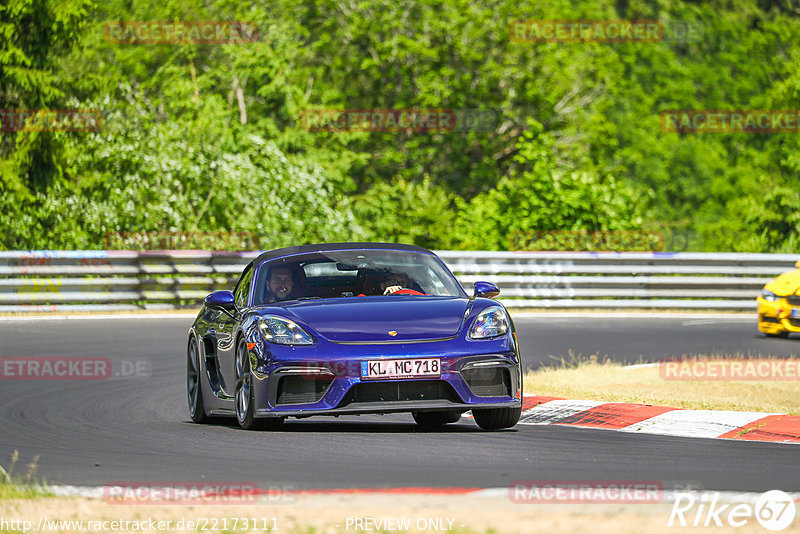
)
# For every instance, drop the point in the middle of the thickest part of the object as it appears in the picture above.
(779, 305)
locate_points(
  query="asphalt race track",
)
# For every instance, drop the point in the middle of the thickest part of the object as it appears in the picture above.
(650, 338)
(136, 428)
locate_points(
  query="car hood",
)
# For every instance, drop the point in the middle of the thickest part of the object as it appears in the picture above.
(370, 319)
(785, 284)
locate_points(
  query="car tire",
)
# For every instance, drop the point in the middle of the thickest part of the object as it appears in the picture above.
(436, 419)
(243, 396)
(782, 335)
(194, 383)
(497, 418)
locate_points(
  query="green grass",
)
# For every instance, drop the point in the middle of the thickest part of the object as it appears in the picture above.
(25, 487)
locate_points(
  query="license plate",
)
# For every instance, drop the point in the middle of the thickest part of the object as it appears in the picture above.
(796, 312)
(401, 368)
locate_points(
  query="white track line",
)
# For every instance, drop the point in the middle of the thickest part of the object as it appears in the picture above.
(695, 423)
(641, 366)
(555, 410)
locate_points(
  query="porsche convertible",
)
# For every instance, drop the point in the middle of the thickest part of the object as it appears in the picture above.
(353, 328)
(779, 305)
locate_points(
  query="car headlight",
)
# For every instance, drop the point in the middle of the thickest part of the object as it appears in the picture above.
(283, 331)
(769, 296)
(491, 322)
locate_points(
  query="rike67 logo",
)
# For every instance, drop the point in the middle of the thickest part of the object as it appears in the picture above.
(774, 510)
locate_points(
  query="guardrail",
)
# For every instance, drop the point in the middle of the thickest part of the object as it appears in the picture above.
(127, 280)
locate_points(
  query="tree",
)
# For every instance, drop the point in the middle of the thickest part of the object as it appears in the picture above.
(35, 36)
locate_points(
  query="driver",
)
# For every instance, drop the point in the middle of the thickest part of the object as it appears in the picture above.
(280, 285)
(394, 282)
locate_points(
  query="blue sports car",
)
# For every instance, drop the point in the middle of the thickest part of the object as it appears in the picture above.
(353, 328)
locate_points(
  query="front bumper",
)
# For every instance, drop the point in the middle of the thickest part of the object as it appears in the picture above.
(775, 317)
(325, 379)
(384, 408)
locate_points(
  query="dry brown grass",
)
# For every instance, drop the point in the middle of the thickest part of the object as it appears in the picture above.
(591, 379)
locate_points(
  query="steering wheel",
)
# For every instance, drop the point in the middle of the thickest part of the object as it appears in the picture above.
(407, 292)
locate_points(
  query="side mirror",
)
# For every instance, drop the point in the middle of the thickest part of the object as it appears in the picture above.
(486, 289)
(797, 264)
(220, 300)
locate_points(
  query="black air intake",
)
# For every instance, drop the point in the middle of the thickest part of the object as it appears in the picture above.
(417, 390)
(488, 381)
(302, 389)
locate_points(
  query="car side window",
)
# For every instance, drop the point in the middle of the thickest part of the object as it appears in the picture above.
(242, 289)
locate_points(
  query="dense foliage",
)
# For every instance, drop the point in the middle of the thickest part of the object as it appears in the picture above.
(208, 137)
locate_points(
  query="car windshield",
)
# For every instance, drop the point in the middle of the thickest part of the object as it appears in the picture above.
(354, 273)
